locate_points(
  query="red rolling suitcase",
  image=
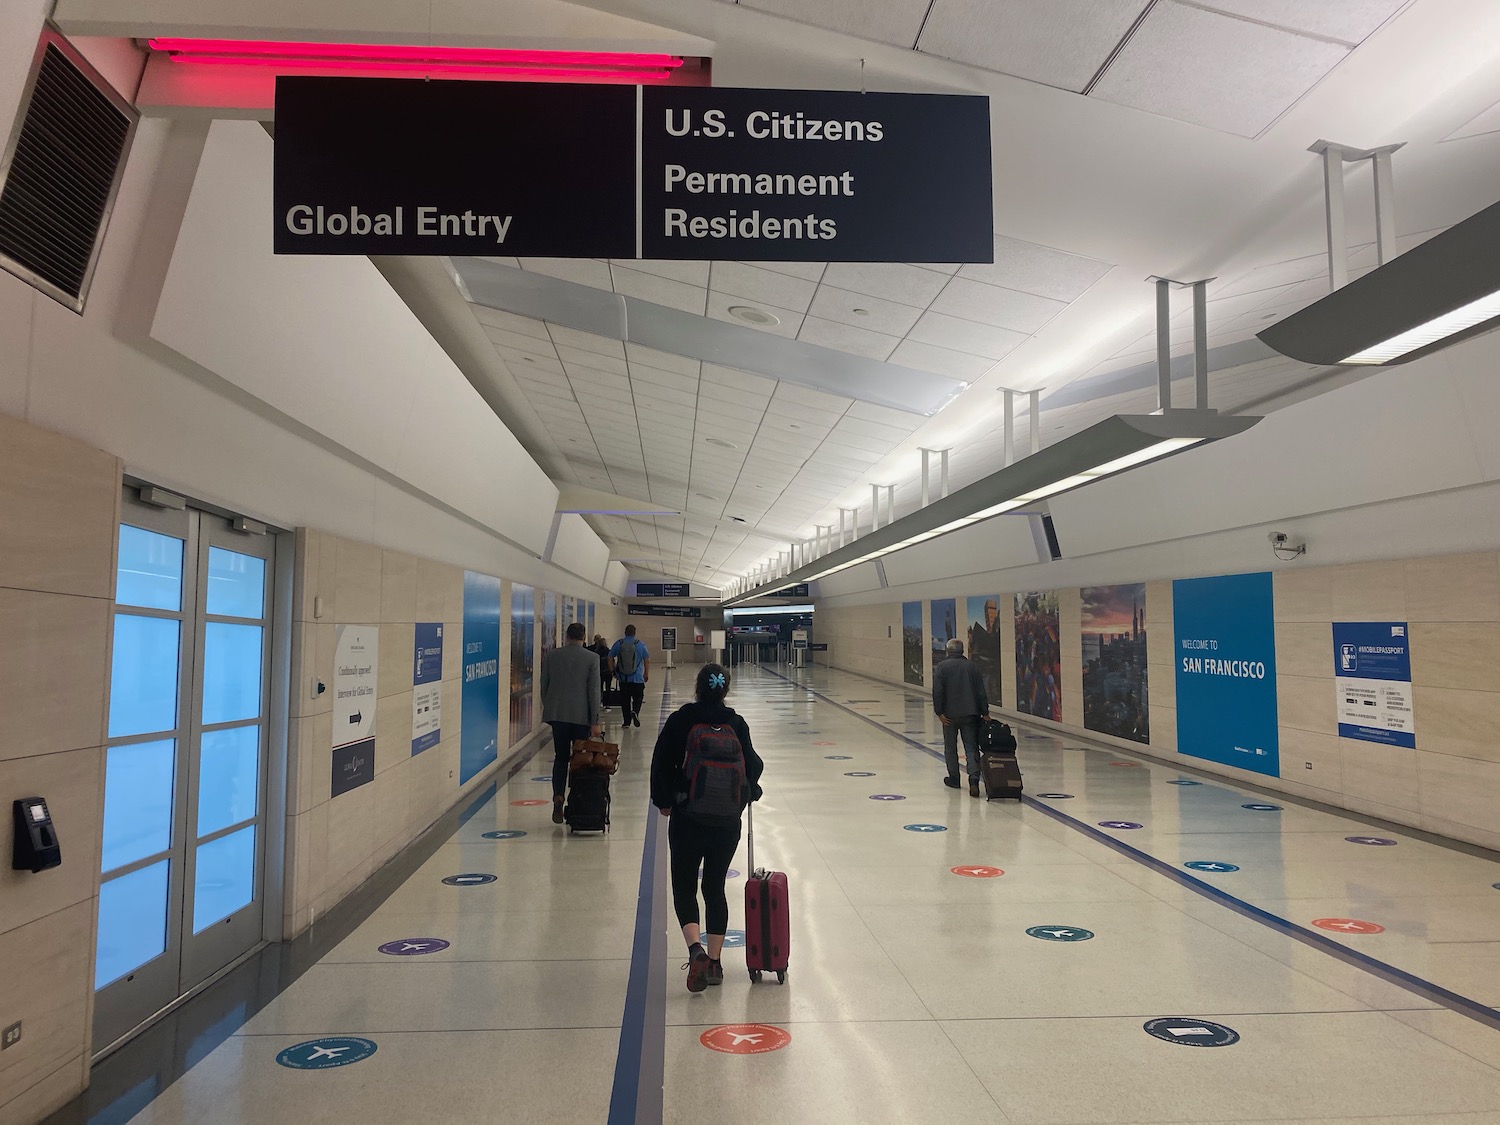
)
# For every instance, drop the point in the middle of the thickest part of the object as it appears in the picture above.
(768, 926)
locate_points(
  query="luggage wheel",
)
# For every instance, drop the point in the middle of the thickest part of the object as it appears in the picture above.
(781, 978)
(755, 975)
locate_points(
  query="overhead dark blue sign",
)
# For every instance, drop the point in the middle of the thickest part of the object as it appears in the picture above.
(664, 611)
(395, 166)
(661, 590)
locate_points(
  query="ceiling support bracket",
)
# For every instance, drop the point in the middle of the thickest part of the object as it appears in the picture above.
(1335, 156)
(1164, 285)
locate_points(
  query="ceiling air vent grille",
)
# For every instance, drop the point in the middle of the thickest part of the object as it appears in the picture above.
(61, 172)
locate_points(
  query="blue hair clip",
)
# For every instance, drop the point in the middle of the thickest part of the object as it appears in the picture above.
(716, 680)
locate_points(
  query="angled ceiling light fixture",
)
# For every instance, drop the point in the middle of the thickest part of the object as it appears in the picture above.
(1105, 449)
(1411, 305)
(1115, 445)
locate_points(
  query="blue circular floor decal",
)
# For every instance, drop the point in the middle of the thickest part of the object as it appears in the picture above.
(734, 939)
(1372, 841)
(925, 827)
(1257, 807)
(321, 1054)
(838, 757)
(730, 874)
(859, 773)
(547, 777)
(1060, 933)
(1209, 865)
(1190, 1031)
(1118, 824)
(505, 834)
(1184, 781)
(414, 947)
(886, 797)
(470, 879)
(1056, 796)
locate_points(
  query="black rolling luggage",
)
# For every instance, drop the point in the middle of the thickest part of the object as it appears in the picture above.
(587, 809)
(997, 761)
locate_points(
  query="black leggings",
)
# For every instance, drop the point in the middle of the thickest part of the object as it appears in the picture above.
(692, 843)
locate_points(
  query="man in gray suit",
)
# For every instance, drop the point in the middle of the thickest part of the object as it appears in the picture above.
(571, 704)
(960, 701)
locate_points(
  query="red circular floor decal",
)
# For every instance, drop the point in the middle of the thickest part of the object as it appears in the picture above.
(825, 743)
(531, 802)
(1348, 926)
(745, 1038)
(978, 871)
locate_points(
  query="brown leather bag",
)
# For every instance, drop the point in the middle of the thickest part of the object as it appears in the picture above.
(591, 754)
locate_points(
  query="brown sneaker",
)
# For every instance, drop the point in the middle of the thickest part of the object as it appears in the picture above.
(973, 787)
(557, 807)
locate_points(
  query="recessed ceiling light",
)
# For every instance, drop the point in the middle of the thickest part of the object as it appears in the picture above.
(721, 443)
(752, 315)
(738, 519)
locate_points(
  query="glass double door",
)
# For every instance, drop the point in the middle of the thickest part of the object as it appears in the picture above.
(182, 862)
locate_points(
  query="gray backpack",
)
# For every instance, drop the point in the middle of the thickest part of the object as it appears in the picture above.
(625, 662)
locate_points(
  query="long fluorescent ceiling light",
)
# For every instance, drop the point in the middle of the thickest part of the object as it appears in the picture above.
(1113, 446)
(1436, 294)
(736, 346)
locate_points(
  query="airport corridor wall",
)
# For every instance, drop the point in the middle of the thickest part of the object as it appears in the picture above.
(1447, 607)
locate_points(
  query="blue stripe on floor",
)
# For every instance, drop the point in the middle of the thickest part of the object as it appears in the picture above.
(640, 1066)
(1419, 986)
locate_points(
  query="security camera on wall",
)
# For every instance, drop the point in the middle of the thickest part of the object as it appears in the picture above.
(614, 601)
(1283, 548)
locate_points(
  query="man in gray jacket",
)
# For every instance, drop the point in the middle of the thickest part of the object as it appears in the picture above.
(571, 704)
(959, 699)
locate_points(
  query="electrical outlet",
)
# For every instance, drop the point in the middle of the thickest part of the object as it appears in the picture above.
(1307, 765)
(12, 1036)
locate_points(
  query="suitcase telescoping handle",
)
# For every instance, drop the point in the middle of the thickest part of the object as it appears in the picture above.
(750, 834)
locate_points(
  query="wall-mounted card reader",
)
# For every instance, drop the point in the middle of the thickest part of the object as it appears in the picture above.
(36, 847)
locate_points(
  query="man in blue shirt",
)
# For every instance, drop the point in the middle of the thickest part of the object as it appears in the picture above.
(630, 662)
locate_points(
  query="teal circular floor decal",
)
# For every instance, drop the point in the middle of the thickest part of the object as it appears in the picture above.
(1060, 933)
(925, 827)
(1257, 807)
(1372, 841)
(1209, 865)
(1121, 824)
(1056, 796)
(1184, 781)
(1190, 1031)
(886, 797)
(859, 773)
(471, 879)
(322, 1054)
(547, 777)
(505, 834)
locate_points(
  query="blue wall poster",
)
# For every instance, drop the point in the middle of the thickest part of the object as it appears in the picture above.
(1372, 669)
(427, 687)
(479, 720)
(1225, 635)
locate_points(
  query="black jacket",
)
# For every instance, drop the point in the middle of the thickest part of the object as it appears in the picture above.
(667, 777)
(958, 689)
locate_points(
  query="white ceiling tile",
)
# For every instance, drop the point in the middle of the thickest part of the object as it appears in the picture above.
(581, 271)
(759, 286)
(900, 419)
(1350, 21)
(589, 342)
(996, 306)
(941, 360)
(597, 361)
(965, 336)
(656, 377)
(807, 396)
(904, 284)
(875, 315)
(740, 380)
(847, 338)
(1214, 70)
(745, 401)
(521, 363)
(787, 321)
(807, 271)
(511, 322)
(1033, 268)
(689, 273)
(664, 361)
(520, 342)
(1056, 42)
(885, 21)
(660, 290)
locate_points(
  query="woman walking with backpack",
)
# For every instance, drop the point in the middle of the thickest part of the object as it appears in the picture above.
(704, 773)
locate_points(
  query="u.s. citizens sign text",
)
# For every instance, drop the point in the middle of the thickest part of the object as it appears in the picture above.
(395, 166)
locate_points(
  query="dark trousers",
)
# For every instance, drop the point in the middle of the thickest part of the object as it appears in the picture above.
(968, 726)
(692, 843)
(563, 735)
(633, 694)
